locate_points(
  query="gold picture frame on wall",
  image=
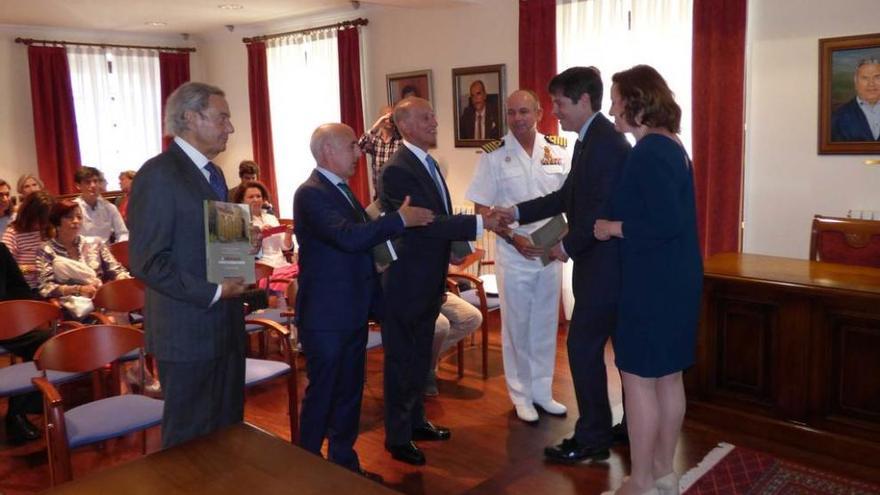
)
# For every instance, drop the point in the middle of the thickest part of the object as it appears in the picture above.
(849, 79)
(403, 84)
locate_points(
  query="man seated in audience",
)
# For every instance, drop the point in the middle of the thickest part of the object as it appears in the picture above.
(100, 217)
(458, 319)
(13, 286)
(248, 171)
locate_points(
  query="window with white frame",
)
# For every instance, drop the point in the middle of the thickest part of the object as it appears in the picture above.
(614, 35)
(117, 101)
(303, 77)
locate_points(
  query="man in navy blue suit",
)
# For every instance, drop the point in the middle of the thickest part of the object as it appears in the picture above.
(596, 164)
(338, 290)
(859, 118)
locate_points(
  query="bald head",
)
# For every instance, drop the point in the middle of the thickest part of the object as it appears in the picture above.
(334, 147)
(523, 114)
(416, 122)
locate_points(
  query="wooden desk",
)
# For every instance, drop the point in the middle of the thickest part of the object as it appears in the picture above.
(237, 460)
(790, 350)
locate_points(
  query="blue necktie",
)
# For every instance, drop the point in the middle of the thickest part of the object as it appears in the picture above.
(432, 166)
(216, 180)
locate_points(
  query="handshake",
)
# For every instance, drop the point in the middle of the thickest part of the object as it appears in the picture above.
(498, 219)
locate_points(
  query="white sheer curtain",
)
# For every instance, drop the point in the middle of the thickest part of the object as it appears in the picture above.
(116, 97)
(303, 74)
(614, 35)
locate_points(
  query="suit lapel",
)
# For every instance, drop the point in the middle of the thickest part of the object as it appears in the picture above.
(418, 168)
(191, 174)
(338, 196)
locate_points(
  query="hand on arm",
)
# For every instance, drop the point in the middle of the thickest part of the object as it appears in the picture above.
(606, 229)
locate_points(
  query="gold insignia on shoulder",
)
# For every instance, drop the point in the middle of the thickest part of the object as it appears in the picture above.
(557, 140)
(493, 145)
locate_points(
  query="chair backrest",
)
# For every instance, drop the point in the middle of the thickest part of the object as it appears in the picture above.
(124, 295)
(848, 241)
(469, 260)
(87, 348)
(119, 250)
(20, 317)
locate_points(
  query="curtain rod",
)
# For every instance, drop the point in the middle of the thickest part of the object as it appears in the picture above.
(31, 41)
(360, 21)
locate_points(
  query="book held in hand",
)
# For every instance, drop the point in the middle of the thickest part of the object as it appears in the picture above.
(547, 235)
(230, 243)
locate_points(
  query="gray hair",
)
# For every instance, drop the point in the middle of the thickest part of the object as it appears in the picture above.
(190, 97)
(867, 61)
(324, 134)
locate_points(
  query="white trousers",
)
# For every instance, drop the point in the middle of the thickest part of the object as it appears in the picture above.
(529, 317)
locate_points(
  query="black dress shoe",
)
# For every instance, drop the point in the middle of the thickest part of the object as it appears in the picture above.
(571, 452)
(407, 453)
(430, 432)
(371, 476)
(19, 430)
(619, 435)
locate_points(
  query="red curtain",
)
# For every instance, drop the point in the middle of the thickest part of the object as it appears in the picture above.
(173, 71)
(350, 106)
(261, 119)
(537, 54)
(54, 118)
(718, 99)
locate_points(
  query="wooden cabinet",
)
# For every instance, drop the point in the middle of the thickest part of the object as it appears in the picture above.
(790, 350)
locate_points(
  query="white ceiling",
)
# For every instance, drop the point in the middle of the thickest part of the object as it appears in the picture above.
(180, 16)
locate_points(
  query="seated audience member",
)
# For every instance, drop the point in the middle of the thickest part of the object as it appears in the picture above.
(125, 179)
(248, 171)
(255, 195)
(100, 218)
(26, 234)
(6, 206)
(12, 286)
(27, 184)
(71, 264)
(457, 319)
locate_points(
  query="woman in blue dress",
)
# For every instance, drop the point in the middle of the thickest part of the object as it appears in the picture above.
(653, 213)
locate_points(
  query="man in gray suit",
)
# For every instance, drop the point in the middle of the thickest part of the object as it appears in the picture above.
(194, 328)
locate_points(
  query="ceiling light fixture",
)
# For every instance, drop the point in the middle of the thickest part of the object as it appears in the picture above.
(230, 6)
(156, 23)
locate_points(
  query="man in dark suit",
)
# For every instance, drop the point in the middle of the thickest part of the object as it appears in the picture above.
(479, 120)
(338, 290)
(414, 284)
(194, 328)
(859, 118)
(597, 161)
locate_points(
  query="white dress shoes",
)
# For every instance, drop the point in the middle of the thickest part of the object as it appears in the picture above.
(551, 407)
(526, 413)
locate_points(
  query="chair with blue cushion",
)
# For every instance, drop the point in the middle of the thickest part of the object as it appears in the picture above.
(258, 371)
(85, 350)
(482, 294)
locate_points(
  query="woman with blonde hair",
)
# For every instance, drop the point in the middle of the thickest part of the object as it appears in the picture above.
(653, 213)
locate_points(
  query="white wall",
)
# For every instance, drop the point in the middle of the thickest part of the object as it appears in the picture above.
(786, 181)
(17, 147)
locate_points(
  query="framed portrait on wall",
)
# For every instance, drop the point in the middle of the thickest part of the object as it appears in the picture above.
(403, 84)
(849, 95)
(478, 101)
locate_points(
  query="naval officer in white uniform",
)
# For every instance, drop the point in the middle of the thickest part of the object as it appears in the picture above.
(523, 166)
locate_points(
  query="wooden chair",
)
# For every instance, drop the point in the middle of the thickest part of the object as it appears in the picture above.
(261, 370)
(845, 240)
(119, 296)
(476, 296)
(84, 350)
(119, 250)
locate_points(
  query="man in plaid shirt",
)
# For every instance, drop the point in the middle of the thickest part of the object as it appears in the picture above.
(380, 142)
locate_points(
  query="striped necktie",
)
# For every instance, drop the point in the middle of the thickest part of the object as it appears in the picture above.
(216, 180)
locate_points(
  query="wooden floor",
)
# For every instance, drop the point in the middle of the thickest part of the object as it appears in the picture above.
(490, 452)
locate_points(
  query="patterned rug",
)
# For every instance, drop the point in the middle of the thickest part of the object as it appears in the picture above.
(729, 470)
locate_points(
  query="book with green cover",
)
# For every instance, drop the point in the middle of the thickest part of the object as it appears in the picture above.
(229, 249)
(383, 253)
(547, 235)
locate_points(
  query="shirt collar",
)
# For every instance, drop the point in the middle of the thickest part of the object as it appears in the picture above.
(582, 134)
(420, 153)
(195, 155)
(863, 103)
(335, 179)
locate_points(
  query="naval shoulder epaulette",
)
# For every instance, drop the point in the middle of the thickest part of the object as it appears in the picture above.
(493, 145)
(557, 140)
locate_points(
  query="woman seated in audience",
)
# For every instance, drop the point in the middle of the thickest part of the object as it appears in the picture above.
(653, 213)
(26, 234)
(27, 184)
(254, 194)
(6, 206)
(125, 180)
(73, 267)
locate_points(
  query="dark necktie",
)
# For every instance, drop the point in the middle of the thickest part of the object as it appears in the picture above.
(578, 148)
(354, 202)
(432, 167)
(216, 180)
